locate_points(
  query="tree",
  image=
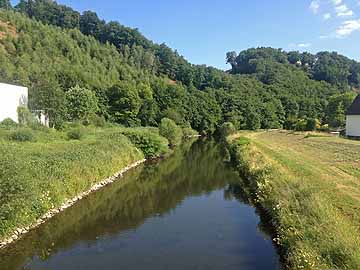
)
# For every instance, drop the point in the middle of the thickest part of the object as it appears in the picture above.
(81, 103)
(231, 59)
(253, 121)
(203, 112)
(336, 108)
(90, 24)
(271, 89)
(227, 129)
(171, 131)
(332, 68)
(338, 116)
(46, 95)
(124, 103)
(5, 4)
(294, 57)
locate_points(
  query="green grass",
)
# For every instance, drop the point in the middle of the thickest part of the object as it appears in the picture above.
(310, 187)
(41, 174)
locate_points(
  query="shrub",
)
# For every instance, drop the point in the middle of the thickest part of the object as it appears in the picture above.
(170, 131)
(97, 121)
(301, 125)
(26, 118)
(8, 123)
(150, 143)
(309, 124)
(324, 128)
(75, 134)
(22, 135)
(227, 129)
(312, 124)
(290, 123)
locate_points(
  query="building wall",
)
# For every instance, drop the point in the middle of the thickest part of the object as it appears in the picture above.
(353, 125)
(11, 97)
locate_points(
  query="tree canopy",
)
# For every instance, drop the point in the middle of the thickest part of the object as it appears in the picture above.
(53, 49)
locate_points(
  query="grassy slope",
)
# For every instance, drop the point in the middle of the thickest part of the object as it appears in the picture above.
(37, 176)
(310, 186)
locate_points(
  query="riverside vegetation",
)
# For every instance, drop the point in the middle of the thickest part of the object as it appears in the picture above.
(79, 68)
(309, 185)
(41, 168)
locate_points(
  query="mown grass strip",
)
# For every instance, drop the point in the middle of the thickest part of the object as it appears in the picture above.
(313, 204)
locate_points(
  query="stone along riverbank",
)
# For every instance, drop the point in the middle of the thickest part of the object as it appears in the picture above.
(184, 212)
(21, 231)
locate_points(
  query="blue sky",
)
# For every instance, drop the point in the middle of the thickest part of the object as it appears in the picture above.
(204, 30)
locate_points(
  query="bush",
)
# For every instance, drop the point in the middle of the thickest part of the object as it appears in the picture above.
(26, 118)
(22, 135)
(301, 125)
(290, 123)
(171, 131)
(150, 143)
(227, 129)
(324, 128)
(8, 123)
(75, 134)
(310, 124)
(97, 121)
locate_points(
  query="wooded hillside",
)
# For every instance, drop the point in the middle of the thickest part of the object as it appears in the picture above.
(137, 82)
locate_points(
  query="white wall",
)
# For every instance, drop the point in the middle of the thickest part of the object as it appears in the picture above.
(353, 125)
(11, 97)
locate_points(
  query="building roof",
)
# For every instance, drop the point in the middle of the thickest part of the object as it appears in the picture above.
(355, 107)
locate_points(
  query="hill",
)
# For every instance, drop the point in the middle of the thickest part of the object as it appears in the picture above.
(137, 82)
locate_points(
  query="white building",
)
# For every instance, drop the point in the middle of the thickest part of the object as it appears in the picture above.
(11, 97)
(353, 119)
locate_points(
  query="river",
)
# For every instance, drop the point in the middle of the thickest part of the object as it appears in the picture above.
(185, 212)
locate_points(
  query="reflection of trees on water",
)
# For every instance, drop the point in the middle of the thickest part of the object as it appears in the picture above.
(242, 192)
(154, 189)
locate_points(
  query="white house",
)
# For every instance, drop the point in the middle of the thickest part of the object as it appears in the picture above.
(353, 119)
(11, 97)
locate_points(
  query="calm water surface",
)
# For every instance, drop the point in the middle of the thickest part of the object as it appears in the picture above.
(181, 213)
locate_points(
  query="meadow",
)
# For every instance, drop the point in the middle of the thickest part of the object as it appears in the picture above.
(308, 184)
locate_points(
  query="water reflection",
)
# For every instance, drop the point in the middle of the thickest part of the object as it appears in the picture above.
(159, 207)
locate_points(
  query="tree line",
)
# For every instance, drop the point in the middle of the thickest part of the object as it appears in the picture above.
(111, 71)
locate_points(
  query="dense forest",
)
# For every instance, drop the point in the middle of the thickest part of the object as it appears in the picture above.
(71, 60)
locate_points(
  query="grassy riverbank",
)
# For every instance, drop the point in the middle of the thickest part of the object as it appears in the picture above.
(41, 169)
(309, 185)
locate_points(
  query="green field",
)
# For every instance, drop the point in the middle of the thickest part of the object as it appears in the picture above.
(309, 185)
(42, 168)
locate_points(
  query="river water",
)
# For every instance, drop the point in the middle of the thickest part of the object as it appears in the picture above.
(185, 212)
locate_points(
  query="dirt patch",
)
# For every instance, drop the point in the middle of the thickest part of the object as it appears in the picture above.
(6, 29)
(172, 82)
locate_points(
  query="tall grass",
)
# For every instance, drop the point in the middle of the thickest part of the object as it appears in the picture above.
(312, 203)
(36, 176)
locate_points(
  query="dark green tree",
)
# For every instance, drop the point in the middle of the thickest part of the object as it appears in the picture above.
(5, 4)
(125, 103)
(90, 24)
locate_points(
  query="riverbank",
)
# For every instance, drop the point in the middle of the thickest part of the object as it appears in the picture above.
(165, 207)
(42, 177)
(309, 185)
